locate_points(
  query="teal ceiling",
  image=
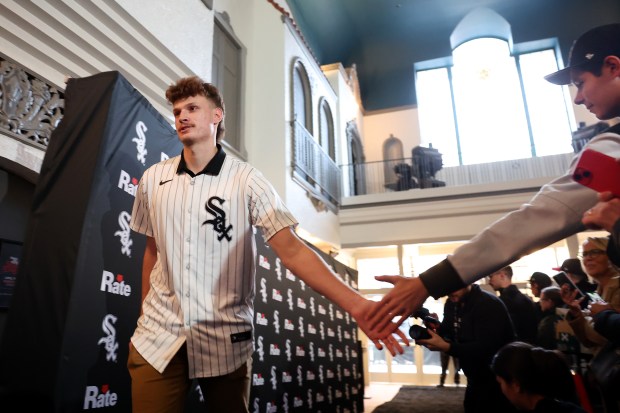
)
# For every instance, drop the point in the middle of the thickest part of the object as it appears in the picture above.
(384, 38)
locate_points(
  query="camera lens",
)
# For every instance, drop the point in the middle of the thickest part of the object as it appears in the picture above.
(417, 332)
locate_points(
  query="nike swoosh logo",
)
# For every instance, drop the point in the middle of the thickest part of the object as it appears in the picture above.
(164, 182)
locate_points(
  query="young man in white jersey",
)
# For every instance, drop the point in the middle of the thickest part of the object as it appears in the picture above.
(557, 210)
(198, 211)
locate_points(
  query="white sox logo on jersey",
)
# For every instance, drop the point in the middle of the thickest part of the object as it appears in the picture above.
(219, 222)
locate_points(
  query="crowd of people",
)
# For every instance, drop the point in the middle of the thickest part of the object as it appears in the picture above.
(515, 353)
(490, 337)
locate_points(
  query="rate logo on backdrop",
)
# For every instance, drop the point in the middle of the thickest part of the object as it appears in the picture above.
(276, 295)
(257, 379)
(261, 319)
(114, 284)
(274, 350)
(94, 398)
(128, 183)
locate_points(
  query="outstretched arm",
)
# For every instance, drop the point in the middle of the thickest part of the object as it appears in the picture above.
(307, 265)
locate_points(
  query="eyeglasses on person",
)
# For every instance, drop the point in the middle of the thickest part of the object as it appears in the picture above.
(592, 253)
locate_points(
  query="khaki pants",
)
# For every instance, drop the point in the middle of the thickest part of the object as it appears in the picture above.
(154, 392)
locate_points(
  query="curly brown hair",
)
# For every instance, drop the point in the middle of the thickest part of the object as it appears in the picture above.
(193, 86)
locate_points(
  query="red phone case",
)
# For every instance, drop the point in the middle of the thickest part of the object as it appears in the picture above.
(598, 171)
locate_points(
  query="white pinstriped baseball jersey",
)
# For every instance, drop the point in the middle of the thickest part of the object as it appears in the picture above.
(202, 284)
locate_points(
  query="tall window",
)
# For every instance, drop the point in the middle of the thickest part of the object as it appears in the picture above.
(227, 76)
(326, 125)
(301, 97)
(490, 105)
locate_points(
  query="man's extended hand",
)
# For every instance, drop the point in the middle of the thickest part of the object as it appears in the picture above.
(390, 341)
(604, 214)
(407, 296)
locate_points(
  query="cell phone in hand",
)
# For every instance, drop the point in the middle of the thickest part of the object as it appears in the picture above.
(598, 171)
(562, 278)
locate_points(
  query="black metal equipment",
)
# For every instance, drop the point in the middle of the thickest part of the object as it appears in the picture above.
(426, 162)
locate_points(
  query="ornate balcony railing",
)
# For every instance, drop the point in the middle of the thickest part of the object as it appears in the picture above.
(313, 167)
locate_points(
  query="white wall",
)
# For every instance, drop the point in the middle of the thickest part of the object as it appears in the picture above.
(402, 123)
(187, 31)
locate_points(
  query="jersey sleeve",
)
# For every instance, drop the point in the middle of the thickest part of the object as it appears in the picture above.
(267, 210)
(140, 217)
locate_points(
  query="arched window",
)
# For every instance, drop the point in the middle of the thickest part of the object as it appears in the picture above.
(356, 172)
(302, 98)
(326, 129)
(227, 70)
(489, 100)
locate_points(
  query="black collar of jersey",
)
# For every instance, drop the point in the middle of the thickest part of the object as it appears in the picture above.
(213, 167)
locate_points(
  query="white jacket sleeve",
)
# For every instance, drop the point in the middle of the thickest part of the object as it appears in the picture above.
(553, 214)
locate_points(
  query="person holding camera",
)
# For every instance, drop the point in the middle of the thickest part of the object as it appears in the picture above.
(482, 326)
(448, 329)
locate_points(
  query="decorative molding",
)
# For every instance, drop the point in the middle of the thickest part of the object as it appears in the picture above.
(29, 107)
(353, 82)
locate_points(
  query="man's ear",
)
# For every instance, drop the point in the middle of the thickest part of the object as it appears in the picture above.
(613, 63)
(219, 115)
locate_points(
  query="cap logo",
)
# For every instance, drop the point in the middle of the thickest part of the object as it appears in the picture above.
(589, 56)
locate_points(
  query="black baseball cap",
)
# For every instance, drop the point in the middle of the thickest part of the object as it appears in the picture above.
(573, 266)
(541, 279)
(594, 45)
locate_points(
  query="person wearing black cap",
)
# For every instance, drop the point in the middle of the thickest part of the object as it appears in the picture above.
(538, 282)
(551, 215)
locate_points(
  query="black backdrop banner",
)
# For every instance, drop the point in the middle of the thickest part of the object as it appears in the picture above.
(78, 293)
(307, 356)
